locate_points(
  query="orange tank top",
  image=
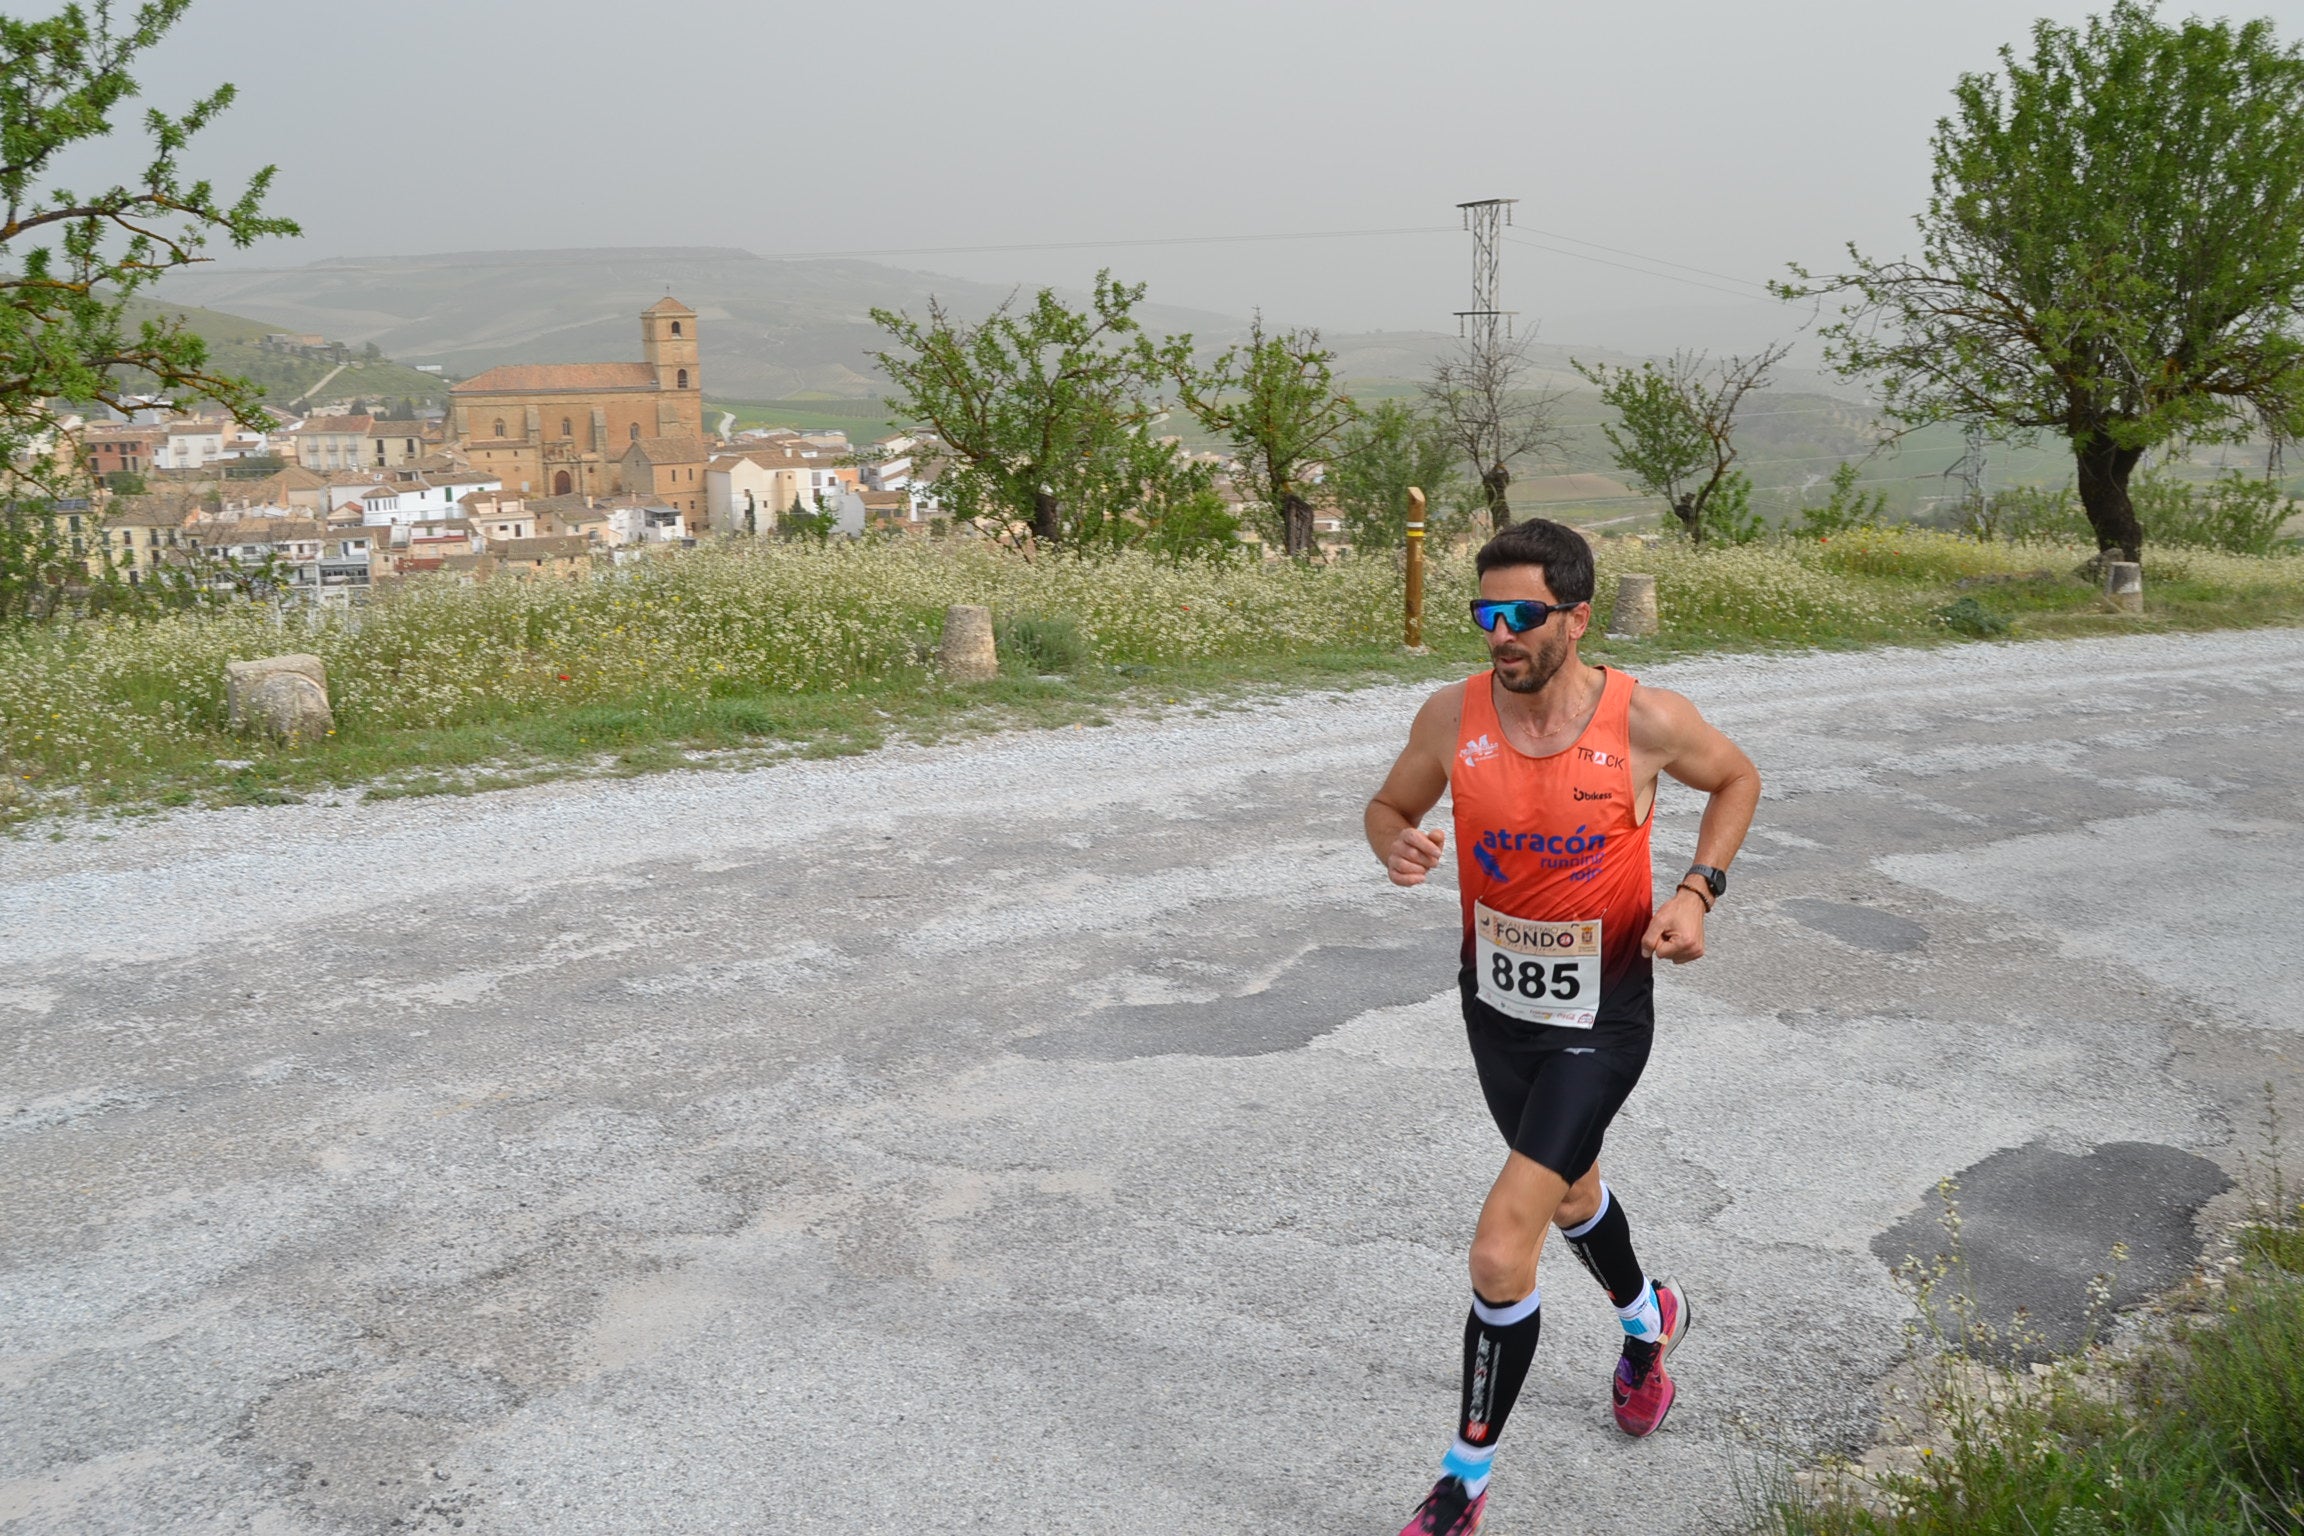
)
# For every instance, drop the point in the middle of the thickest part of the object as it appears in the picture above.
(1552, 859)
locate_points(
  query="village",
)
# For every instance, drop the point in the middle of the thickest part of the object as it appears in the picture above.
(534, 471)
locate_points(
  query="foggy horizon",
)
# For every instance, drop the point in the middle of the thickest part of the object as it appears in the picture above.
(1728, 141)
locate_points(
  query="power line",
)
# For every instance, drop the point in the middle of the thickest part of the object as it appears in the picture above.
(1550, 234)
(1673, 277)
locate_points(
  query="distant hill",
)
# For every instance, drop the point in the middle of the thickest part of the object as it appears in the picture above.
(772, 330)
(286, 378)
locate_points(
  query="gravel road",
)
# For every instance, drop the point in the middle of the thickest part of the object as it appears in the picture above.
(1073, 1132)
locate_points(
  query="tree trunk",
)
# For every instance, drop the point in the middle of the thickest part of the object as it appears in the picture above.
(2103, 473)
(1493, 482)
(1691, 517)
(1047, 521)
(1295, 524)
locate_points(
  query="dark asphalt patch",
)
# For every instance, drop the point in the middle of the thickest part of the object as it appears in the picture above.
(1881, 932)
(1318, 991)
(2036, 1226)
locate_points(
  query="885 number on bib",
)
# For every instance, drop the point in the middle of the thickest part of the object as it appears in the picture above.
(1543, 973)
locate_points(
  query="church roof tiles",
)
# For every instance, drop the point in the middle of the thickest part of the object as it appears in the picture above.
(667, 450)
(547, 378)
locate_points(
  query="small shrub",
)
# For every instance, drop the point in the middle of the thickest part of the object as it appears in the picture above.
(2028, 514)
(1845, 509)
(1034, 644)
(1728, 516)
(1971, 618)
(2239, 514)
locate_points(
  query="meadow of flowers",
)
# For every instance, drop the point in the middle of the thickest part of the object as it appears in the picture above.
(109, 700)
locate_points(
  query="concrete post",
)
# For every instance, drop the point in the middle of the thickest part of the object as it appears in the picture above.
(1635, 607)
(2124, 586)
(968, 654)
(242, 677)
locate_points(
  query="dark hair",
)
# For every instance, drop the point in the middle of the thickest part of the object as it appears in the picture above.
(1560, 549)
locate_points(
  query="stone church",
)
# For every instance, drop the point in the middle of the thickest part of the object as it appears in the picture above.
(594, 429)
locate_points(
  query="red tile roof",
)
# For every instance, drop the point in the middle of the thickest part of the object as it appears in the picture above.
(549, 378)
(668, 450)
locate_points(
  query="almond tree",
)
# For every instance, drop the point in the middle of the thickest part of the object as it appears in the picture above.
(1046, 412)
(71, 262)
(1483, 400)
(1274, 401)
(2113, 251)
(1675, 434)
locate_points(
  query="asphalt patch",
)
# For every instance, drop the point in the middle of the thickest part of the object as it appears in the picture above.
(1320, 990)
(2037, 1226)
(1865, 927)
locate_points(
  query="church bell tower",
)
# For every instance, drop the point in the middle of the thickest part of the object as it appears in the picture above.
(668, 342)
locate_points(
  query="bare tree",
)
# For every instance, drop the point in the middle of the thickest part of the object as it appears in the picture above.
(1483, 401)
(1677, 437)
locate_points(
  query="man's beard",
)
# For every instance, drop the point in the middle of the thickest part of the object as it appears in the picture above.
(1543, 661)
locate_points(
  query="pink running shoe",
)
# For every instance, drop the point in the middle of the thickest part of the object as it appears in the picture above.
(1447, 1511)
(1643, 1397)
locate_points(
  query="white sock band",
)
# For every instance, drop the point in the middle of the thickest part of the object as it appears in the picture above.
(1644, 1319)
(1511, 1312)
(1585, 1229)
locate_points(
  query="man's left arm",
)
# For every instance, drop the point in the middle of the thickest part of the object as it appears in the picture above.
(1668, 731)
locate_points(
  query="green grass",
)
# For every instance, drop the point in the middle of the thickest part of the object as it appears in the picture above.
(726, 655)
(2198, 1431)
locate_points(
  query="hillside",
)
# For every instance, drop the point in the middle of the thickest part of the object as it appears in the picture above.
(285, 378)
(774, 331)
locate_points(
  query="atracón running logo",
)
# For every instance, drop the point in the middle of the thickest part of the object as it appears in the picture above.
(1578, 852)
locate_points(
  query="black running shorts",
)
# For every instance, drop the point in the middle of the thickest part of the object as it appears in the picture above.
(1552, 1090)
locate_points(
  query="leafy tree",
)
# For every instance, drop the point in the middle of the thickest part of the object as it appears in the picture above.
(70, 262)
(1845, 507)
(801, 523)
(1494, 418)
(1195, 525)
(1675, 436)
(1392, 447)
(1274, 400)
(2113, 250)
(1046, 412)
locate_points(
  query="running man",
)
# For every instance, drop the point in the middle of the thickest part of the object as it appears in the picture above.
(1553, 767)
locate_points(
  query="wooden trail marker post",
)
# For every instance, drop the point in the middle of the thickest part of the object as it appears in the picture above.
(1412, 631)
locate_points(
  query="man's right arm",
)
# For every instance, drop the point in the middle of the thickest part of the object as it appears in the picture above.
(1414, 786)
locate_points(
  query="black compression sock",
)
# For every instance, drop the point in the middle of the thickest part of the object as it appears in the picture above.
(1499, 1343)
(1604, 1245)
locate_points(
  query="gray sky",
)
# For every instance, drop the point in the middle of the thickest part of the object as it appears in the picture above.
(1725, 136)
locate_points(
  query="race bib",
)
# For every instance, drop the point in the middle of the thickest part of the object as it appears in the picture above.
(1544, 973)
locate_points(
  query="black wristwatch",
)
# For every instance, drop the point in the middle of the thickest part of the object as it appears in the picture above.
(1715, 880)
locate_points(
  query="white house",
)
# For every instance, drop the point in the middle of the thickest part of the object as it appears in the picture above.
(888, 463)
(412, 501)
(191, 445)
(743, 495)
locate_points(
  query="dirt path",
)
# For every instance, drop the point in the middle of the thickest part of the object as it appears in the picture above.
(1071, 1131)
